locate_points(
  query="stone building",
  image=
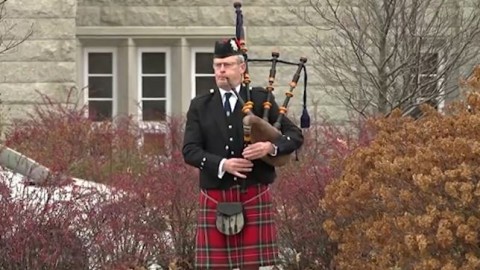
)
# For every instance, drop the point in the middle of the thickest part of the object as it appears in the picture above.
(143, 57)
(138, 57)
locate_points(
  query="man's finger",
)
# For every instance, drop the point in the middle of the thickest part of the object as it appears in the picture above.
(244, 163)
(253, 154)
(244, 169)
(239, 175)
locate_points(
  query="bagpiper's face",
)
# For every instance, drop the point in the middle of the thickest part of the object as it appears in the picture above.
(228, 71)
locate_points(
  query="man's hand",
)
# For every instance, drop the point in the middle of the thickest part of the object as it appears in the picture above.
(258, 150)
(238, 166)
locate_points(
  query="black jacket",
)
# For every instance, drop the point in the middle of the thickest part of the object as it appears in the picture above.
(210, 137)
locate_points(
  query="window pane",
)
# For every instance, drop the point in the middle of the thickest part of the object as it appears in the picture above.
(100, 63)
(100, 110)
(153, 63)
(427, 85)
(427, 90)
(100, 87)
(204, 84)
(203, 63)
(153, 110)
(429, 63)
(153, 87)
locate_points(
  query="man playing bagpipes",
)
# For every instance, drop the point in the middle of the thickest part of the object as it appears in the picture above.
(235, 226)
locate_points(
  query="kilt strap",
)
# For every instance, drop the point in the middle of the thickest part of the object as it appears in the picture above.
(245, 202)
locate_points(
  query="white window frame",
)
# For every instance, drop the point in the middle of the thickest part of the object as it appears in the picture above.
(440, 81)
(168, 75)
(114, 75)
(155, 126)
(193, 62)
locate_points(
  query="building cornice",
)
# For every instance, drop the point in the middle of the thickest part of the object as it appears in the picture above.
(154, 31)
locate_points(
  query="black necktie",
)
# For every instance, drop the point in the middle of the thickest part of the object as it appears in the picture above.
(226, 105)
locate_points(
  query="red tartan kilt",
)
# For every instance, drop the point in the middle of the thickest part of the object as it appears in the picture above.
(256, 244)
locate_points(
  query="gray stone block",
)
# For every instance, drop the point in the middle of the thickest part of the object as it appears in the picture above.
(274, 16)
(134, 16)
(42, 28)
(30, 93)
(37, 72)
(278, 36)
(41, 9)
(223, 16)
(88, 16)
(183, 16)
(41, 50)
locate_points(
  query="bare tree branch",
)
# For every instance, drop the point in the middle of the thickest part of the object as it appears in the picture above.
(8, 38)
(378, 55)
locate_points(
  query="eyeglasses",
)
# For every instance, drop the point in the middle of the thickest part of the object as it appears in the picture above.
(227, 65)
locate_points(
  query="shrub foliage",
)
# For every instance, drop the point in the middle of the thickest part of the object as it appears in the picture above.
(410, 199)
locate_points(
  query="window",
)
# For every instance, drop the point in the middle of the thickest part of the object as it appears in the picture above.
(149, 73)
(100, 76)
(153, 84)
(429, 84)
(153, 91)
(427, 76)
(203, 77)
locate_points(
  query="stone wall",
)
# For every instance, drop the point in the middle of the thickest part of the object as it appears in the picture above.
(45, 62)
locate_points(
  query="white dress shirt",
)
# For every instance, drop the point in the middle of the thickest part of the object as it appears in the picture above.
(233, 98)
(233, 102)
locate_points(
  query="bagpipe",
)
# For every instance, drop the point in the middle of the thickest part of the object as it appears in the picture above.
(258, 129)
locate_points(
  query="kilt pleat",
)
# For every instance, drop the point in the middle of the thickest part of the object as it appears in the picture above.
(255, 245)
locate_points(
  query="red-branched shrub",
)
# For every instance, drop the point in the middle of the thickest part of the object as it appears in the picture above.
(60, 137)
(127, 223)
(153, 222)
(37, 232)
(148, 213)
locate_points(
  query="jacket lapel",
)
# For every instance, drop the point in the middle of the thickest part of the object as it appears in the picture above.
(218, 114)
